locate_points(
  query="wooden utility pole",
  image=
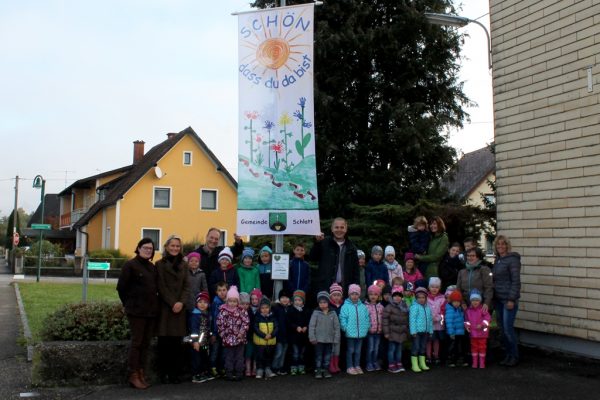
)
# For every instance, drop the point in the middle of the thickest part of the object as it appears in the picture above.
(16, 201)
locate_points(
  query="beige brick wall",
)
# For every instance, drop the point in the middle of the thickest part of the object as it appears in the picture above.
(547, 133)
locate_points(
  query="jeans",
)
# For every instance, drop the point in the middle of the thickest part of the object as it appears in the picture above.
(506, 322)
(323, 355)
(279, 358)
(394, 353)
(298, 354)
(373, 340)
(200, 360)
(419, 344)
(353, 352)
(216, 354)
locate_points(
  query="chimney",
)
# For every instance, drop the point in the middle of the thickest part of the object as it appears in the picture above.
(138, 151)
(170, 135)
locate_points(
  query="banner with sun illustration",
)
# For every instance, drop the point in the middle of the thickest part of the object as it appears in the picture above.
(277, 181)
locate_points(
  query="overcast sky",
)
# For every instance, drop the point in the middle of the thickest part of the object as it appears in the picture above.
(81, 80)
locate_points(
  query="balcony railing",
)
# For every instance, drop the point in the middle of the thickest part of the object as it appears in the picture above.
(69, 218)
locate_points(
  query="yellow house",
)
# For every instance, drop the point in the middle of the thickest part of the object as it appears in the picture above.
(468, 181)
(178, 187)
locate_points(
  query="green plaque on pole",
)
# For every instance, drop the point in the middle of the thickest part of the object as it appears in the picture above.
(41, 226)
(100, 266)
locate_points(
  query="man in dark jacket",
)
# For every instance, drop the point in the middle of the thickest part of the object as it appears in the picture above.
(337, 258)
(209, 251)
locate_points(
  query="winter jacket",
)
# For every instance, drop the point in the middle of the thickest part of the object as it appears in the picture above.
(395, 321)
(200, 324)
(354, 319)
(475, 317)
(280, 313)
(437, 305)
(210, 262)
(263, 325)
(173, 287)
(297, 318)
(326, 253)
(214, 313)
(420, 319)
(419, 240)
(266, 283)
(507, 277)
(448, 270)
(249, 277)
(233, 324)
(455, 320)
(299, 278)
(375, 316)
(438, 246)
(198, 283)
(376, 270)
(478, 277)
(324, 328)
(138, 288)
(414, 277)
(229, 275)
(394, 270)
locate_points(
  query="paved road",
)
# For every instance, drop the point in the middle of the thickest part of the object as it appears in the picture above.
(540, 376)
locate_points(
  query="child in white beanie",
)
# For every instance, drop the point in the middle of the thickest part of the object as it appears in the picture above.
(393, 267)
(437, 304)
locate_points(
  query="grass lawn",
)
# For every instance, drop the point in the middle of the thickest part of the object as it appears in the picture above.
(43, 298)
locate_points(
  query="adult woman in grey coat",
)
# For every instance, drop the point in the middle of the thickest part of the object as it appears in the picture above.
(507, 287)
(173, 290)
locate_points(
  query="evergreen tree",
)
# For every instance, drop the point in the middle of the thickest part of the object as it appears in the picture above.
(385, 87)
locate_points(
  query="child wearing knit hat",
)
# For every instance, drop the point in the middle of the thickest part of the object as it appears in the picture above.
(299, 278)
(226, 272)
(411, 272)
(233, 324)
(280, 310)
(248, 272)
(265, 266)
(455, 328)
(196, 279)
(199, 331)
(421, 326)
(336, 300)
(395, 329)
(375, 309)
(393, 268)
(323, 333)
(355, 323)
(375, 268)
(437, 304)
(477, 322)
(298, 320)
(265, 331)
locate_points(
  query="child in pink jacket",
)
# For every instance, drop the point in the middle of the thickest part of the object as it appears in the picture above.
(437, 303)
(374, 336)
(477, 322)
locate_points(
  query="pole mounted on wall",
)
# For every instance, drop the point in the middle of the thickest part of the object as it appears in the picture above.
(459, 22)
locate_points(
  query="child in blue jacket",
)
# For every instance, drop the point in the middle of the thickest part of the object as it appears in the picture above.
(455, 328)
(421, 327)
(299, 278)
(355, 322)
(376, 268)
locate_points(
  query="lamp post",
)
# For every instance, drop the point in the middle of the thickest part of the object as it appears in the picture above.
(459, 22)
(40, 183)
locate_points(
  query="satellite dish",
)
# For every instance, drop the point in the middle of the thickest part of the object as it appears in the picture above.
(158, 172)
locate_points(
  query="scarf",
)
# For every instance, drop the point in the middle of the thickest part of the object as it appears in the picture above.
(391, 266)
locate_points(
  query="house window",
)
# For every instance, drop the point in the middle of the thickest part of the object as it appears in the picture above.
(187, 158)
(490, 198)
(162, 197)
(153, 234)
(223, 238)
(107, 238)
(208, 199)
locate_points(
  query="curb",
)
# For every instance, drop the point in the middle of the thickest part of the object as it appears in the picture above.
(24, 323)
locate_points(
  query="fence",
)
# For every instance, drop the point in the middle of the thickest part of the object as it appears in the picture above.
(68, 266)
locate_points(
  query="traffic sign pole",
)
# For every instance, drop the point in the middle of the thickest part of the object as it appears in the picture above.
(38, 182)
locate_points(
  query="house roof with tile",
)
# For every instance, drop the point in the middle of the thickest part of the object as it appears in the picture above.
(117, 188)
(51, 209)
(472, 169)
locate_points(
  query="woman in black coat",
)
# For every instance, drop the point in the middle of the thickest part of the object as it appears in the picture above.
(138, 291)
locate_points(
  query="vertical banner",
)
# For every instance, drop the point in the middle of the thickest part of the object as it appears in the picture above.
(277, 180)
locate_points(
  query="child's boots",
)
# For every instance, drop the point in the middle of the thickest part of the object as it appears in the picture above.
(474, 356)
(422, 364)
(414, 360)
(481, 360)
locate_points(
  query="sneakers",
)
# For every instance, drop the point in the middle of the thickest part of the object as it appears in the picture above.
(400, 367)
(377, 366)
(392, 368)
(318, 373)
(294, 371)
(259, 373)
(301, 370)
(371, 368)
(269, 374)
(198, 379)
(352, 371)
(326, 374)
(359, 370)
(282, 372)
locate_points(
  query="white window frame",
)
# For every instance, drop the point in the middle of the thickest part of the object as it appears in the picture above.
(223, 238)
(191, 158)
(107, 237)
(216, 191)
(159, 244)
(154, 197)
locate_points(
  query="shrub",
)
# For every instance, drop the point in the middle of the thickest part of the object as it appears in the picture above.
(97, 321)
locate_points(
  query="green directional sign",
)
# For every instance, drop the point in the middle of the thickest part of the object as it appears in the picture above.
(41, 226)
(100, 266)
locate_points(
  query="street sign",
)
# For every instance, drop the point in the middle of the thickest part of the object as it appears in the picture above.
(41, 226)
(15, 239)
(99, 266)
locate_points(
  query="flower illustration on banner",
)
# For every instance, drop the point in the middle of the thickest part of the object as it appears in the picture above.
(277, 149)
(284, 121)
(268, 126)
(251, 116)
(304, 138)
